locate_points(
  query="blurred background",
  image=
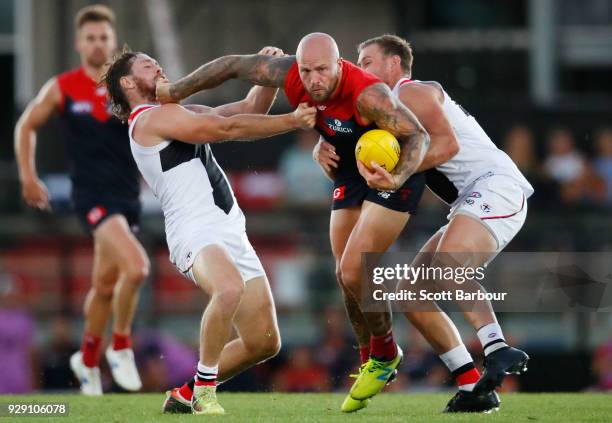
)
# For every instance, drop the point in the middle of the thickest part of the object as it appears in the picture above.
(534, 73)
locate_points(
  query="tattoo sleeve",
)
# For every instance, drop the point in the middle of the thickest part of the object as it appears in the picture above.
(378, 104)
(258, 69)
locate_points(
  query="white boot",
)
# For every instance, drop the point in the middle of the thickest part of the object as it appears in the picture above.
(123, 368)
(89, 377)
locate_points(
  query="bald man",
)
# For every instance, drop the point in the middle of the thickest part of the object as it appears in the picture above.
(370, 208)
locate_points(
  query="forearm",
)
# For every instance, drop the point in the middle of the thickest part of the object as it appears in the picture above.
(437, 154)
(25, 151)
(413, 149)
(259, 100)
(253, 127)
(256, 68)
(207, 76)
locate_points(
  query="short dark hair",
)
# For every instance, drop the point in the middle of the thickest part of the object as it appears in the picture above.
(120, 67)
(94, 13)
(392, 45)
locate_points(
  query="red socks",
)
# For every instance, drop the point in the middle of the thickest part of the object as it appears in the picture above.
(91, 350)
(186, 390)
(364, 353)
(383, 347)
(121, 342)
(467, 379)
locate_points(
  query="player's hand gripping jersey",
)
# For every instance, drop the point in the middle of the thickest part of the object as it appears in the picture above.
(339, 122)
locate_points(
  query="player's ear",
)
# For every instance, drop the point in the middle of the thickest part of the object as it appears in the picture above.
(126, 82)
(396, 59)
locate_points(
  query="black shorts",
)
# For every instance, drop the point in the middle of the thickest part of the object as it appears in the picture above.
(92, 213)
(353, 191)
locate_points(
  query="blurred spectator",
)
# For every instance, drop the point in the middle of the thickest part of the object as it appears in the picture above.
(17, 352)
(164, 361)
(519, 145)
(302, 374)
(305, 182)
(570, 170)
(603, 161)
(602, 366)
(56, 358)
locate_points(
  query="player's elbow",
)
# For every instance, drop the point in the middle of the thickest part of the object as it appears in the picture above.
(451, 150)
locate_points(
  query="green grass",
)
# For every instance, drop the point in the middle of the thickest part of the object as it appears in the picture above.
(286, 408)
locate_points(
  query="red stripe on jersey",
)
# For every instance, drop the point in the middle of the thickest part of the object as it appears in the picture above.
(137, 112)
(406, 81)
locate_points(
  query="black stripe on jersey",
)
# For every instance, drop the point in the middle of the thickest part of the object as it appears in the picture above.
(441, 186)
(176, 153)
(221, 190)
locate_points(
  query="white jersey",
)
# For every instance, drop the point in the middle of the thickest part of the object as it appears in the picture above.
(195, 195)
(478, 157)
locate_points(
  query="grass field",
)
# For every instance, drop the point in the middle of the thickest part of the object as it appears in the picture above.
(325, 408)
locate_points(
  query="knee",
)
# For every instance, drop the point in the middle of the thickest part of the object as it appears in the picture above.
(350, 271)
(138, 270)
(266, 347)
(229, 295)
(339, 274)
(103, 292)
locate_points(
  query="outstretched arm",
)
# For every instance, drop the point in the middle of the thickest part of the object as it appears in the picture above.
(174, 122)
(377, 104)
(34, 116)
(256, 68)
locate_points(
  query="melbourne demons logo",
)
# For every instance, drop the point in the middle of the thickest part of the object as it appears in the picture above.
(337, 125)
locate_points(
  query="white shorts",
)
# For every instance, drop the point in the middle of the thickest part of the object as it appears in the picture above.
(499, 202)
(235, 242)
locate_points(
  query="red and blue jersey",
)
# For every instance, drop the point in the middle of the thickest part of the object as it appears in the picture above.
(98, 146)
(338, 119)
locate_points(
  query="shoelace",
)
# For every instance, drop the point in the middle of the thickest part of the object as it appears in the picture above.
(361, 368)
(374, 365)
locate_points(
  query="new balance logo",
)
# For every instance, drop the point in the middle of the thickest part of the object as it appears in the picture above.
(386, 373)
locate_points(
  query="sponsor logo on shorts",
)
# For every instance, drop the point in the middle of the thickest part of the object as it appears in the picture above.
(321, 108)
(485, 208)
(94, 215)
(384, 194)
(476, 194)
(469, 201)
(189, 254)
(492, 335)
(339, 193)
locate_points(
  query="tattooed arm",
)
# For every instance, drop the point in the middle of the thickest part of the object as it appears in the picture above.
(258, 69)
(377, 104)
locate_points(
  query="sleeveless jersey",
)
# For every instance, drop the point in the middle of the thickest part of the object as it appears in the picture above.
(338, 120)
(101, 165)
(193, 190)
(478, 156)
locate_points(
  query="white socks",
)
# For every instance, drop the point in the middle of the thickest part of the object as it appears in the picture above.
(491, 337)
(456, 358)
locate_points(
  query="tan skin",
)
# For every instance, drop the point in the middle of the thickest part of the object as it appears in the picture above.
(120, 263)
(319, 68)
(214, 270)
(464, 234)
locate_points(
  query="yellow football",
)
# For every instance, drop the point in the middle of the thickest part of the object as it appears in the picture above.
(378, 146)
